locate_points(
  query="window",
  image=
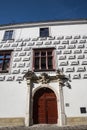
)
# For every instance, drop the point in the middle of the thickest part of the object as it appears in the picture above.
(83, 109)
(8, 35)
(43, 59)
(44, 32)
(5, 57)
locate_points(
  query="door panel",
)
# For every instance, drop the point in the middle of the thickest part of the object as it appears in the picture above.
(45, 107)
(51, 111)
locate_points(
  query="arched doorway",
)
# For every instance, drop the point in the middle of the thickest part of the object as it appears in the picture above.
(45, 107)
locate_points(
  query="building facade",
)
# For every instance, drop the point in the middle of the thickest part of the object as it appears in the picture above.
(33, 59)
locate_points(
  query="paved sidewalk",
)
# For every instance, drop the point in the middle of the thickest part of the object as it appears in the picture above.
(46, 127)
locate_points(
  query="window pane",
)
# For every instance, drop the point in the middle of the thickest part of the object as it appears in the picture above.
(37, 53)
(1, 56)
(43, 53)
(8, 35)
(44, 32)
(43, 59)
(5, 60)
(7, 56)
(1, 64)
(50, 66)
(43, 63)
(36, 63)
(6, 65)
(49, 53)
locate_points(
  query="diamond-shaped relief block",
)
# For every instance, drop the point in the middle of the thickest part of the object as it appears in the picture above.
(81, 69)
(6, 45)
(81, 56)
(18, 49)
(56, 42)
(81, 46)
(85, 76)
(21, 65)
(74, 41)
(26, 59)
(77, 37)
(58, 52)
(26, 40)
(67, 52)
(10, 78)
(62, 47)
(85, 51)
(82, 41)
(43, 38)
(25, 71)
(84, 37)
(14, 45)
(31, 43)
(19, 40)
(84, 62)
(64, 63)
(62, 57)
(72, 57)
(10, 41)
(75, 63)
(65, 42)
(77, 51)
(70, 69)
(48, 43)
(60, 37)
(27, 48)
(22, 44)
(34, 39)
(68, 37)
(77, 76)
(22, 53)
(71, 47)
(17, 59)
(16, 71)
(3, 41)
(19, 78)
(2, 78)
(51, 38)
(39, 43)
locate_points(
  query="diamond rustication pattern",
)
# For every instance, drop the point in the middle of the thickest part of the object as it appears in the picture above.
(70, 52)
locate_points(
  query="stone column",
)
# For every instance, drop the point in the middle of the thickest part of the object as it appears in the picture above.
(28, 119)
(28, 103)
(62, 120)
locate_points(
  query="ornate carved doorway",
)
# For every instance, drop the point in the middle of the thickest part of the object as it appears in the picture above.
(45, 107)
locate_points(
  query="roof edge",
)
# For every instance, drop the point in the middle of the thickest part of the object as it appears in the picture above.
(43, 23)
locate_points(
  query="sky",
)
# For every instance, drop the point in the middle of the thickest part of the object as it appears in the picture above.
(19, 11)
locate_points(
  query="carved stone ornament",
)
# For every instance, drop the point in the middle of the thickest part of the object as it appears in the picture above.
(44, 78)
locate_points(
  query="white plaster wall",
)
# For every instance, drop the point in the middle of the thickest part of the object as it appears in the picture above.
(13, 94)
(76, 97)
(12, 99)
(69, 30)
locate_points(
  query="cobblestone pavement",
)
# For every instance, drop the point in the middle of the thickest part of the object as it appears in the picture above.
(47, 127)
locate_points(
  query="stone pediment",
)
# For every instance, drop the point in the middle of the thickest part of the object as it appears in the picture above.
(44, 78)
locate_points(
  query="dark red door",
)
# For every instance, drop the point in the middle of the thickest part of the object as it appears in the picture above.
(45, 107)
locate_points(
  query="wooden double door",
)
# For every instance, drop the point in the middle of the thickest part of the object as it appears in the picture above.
(45, 107)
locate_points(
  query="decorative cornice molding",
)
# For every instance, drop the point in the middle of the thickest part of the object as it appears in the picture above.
(44, 78)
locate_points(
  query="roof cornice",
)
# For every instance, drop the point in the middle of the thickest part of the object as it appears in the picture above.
(43, 23)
